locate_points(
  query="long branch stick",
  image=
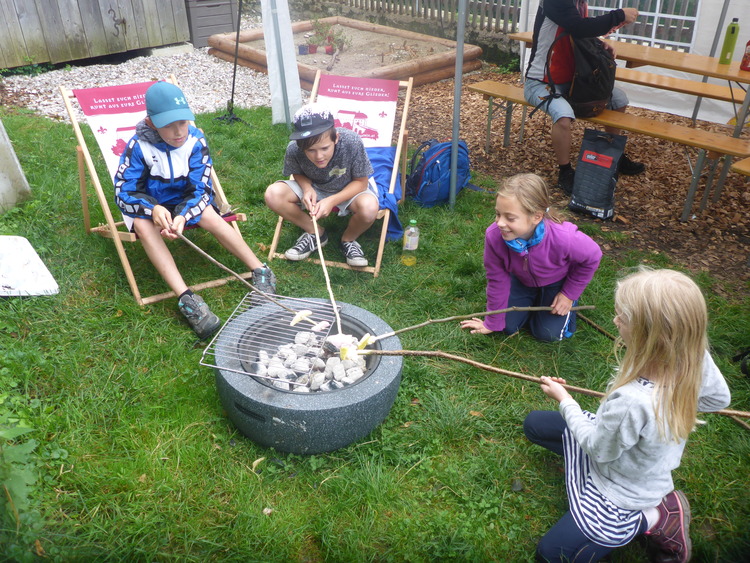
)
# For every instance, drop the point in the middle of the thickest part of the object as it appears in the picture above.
(517, 375)
(482, 314)
(325, 273)
(211, 259)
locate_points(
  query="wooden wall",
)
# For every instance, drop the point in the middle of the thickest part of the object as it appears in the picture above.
(56, 31)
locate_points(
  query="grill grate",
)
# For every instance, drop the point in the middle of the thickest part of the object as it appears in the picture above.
(269, 329)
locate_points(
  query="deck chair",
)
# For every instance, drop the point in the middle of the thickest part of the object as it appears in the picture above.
(369, 107)
(112, 113)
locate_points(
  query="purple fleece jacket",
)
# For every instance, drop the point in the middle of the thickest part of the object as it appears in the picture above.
(564, 253)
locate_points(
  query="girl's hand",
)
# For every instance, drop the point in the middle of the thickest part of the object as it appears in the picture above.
(561, 305)
(553, 388)
(475, 326)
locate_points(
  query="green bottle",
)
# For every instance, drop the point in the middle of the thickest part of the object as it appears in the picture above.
(730, 40)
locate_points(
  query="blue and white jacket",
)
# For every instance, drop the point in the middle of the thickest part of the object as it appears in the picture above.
(151, 173)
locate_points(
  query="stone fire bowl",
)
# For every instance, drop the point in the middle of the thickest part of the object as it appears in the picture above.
(310, 423)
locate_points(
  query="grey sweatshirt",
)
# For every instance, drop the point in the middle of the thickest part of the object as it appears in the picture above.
(630, 463)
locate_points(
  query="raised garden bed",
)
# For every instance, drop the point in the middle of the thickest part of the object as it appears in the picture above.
(371, 50)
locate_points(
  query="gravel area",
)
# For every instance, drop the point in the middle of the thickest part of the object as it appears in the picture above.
(205, 79)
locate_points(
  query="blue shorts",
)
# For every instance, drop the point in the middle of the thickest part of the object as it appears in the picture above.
(535, 90)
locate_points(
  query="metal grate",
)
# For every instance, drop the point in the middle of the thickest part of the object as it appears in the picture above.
(254, 327)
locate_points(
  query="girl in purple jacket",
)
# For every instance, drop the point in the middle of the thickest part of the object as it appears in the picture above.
(533, 259)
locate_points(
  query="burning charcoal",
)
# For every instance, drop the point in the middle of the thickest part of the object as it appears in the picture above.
(276, 371)
(301, 365)
(300, 349)
(263, 357)
(317, 380)
(329, 374)
(348, 364)
(354, 373)
(290, 359)
(306, 338)
(335, 384)
(326, 386)
(338, 372)
(332, 361)
(289, 375)
(301, 389)
(275, 362)
(284, 351)
(281, 385)
(303, 379)
(259, 369)
(318, 364)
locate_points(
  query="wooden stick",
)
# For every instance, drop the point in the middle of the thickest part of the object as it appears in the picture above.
(596, 326)
(325, 272)
(517, 375)
(482, 314)
(211, 259)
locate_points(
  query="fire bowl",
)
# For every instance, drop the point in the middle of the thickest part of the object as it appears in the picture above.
(307, 423)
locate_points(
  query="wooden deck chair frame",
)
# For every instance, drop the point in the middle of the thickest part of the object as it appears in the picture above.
(399, 166)
(116, 230)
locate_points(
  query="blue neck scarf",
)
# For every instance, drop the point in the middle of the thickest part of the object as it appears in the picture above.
(522, 245)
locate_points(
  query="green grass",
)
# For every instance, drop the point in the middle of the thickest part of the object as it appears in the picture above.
(132, 458)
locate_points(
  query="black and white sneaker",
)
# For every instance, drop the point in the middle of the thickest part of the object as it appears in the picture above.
(198, 315)
(353, 252)
(305, 246)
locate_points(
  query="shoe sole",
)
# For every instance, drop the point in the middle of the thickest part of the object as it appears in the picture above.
(356, 264)
(298, 257)
(685, 517)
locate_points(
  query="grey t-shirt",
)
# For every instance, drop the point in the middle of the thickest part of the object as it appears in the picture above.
(349, 161)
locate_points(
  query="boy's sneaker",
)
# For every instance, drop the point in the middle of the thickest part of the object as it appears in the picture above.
(565, 180)
(630, 167)
(353, 252)
(670, 536)
(264, 279)
(198, 315)
(305, 246)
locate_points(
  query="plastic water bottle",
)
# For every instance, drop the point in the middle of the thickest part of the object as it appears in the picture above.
(730, 41)
(411, 242)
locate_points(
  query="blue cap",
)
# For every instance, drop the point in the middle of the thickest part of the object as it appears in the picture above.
(165, 104)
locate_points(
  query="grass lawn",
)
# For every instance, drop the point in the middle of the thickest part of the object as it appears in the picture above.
(129, 455)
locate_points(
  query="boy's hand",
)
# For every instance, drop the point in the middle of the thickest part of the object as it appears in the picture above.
(322, 209)
(561, 305)
(475, 326)
(309, 199)
(553, 388)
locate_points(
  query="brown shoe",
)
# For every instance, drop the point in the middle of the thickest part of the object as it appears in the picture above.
(670, 536)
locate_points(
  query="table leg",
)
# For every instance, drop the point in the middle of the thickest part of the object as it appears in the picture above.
(508, 122)
(489, 126)
(693, 185)
(741, 117)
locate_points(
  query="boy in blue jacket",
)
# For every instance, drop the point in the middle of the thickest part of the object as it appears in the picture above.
(164, 183)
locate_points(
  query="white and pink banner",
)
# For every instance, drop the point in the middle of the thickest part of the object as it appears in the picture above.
(364, 105)
(112, 113)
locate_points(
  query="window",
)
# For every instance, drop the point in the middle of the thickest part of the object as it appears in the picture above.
(661, 23)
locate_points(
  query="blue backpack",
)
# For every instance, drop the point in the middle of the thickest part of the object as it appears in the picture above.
(429, 178)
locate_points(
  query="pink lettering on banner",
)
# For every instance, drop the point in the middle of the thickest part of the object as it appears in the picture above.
(130, 98)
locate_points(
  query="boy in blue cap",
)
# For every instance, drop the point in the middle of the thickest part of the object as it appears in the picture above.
(163, 182)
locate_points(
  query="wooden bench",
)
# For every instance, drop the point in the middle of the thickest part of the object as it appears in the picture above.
(742, 167)
(710, 145)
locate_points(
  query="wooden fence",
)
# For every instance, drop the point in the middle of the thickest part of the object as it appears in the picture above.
(500, 16)
(40, 31)
(666, 23)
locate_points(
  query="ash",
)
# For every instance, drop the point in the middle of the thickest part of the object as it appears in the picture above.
(303, 366)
